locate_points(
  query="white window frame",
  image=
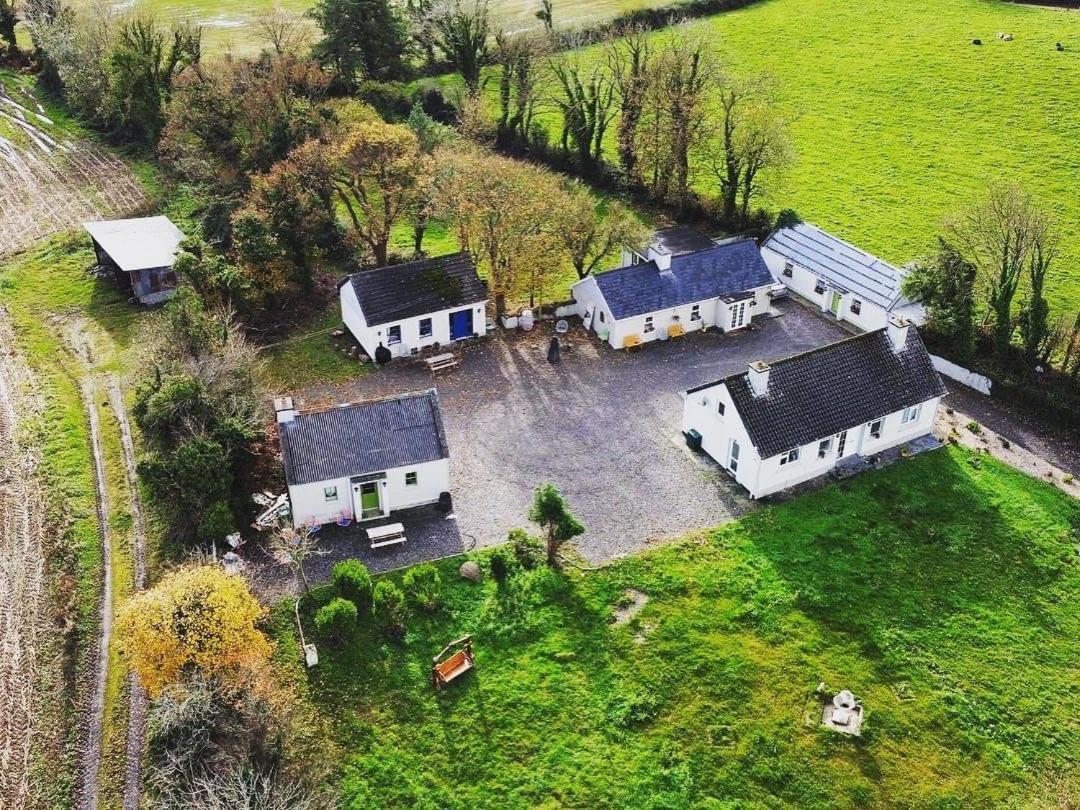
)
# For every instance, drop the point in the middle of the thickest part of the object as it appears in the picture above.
(695, 312)
(601, 314)
(855, 307)
(415, 478)
(330, 494)
(875, 428)
(910, 414)
(790, 457)
(733, 456)
(720, 408)
(430, 327)
(789, 270)
(390, 339)
(820, 288)
(649, 325)
(824, 446)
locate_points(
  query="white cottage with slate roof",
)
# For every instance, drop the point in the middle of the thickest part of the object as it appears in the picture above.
(843, 280)
(416, 305)
(681, 284)
(363, 461)
(777, 425)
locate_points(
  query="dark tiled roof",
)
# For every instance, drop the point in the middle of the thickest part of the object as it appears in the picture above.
(839, 263)
(825, 391)
(679, 240)
(719, 270)
(400, 291)
(363, 438)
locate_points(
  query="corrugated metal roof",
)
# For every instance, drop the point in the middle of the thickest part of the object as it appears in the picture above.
(363, 438)
(824, 391)
(138, 244)
(399, 291)
(838, 262)
(717, 271)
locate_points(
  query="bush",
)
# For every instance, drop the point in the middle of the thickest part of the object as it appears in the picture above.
(423, 585)
(500, 566)
(528, 551)
(336, 620)
(389, 603)
(392, 100)
(353, 582)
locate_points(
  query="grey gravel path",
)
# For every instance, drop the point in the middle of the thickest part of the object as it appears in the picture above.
(603, 426)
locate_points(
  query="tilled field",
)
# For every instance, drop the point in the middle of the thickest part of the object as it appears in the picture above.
(22, 576)
(49, 181)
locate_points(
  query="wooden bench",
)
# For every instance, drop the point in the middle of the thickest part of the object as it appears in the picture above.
(631, 342)
(440, 362)
(387, 535)
(458, 663)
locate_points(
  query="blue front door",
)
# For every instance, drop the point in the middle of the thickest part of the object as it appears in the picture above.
(461, 324)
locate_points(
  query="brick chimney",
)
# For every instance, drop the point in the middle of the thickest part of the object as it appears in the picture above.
(759, 378)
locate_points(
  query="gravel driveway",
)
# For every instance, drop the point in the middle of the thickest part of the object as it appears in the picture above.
(603, 426)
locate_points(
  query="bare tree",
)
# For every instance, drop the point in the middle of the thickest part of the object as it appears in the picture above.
(294, 547)
(284, 31)
(628, 60)
(519, 57)
(1002, 235)
(586, 102)
(749, 139)
(546, 15)
(461, 29)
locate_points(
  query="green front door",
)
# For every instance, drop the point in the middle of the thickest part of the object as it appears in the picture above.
(369, 499)
(834, 307)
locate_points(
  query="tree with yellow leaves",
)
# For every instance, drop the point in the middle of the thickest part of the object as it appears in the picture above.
(196, 620)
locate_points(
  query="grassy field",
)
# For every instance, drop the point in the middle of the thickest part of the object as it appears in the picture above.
(232, 25)
(900, 120)
(943, 592)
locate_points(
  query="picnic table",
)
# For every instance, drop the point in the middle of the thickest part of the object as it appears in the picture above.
(439, 362)
(387, 535)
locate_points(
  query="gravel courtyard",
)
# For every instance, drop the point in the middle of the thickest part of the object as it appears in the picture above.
(603, 425)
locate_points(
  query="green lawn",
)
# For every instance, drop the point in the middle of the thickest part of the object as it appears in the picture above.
(231, 25)
(900, 120)
(944, 592)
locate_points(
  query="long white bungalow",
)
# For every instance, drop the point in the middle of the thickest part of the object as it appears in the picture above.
(777, 425)
(683, 282)
(364, 460)
(408, 307)
(845, 281)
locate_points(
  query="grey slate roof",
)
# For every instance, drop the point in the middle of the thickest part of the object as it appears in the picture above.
(679, 240)
(363, 438)
(717, 271)
(400, 291)
(840, 263)
(824, 391)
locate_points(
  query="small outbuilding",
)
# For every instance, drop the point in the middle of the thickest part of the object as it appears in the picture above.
(683, 282)
(779, 424)
(843, 280)
(139, 253)
(364, 460)
(411, 306)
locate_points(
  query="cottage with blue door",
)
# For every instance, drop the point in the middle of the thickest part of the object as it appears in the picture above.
(412, 306)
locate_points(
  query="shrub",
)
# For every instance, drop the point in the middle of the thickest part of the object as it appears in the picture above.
(353, 581)
(500, 566)
(528, 551)
(389, 604)
(336, 620)
(423, 585)
(974, 427)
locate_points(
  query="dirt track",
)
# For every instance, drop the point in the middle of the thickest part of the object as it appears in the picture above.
(22, 576)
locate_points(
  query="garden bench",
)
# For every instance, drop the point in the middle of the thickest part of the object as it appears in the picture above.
(387, 535)
(458, 663)
(439, 362)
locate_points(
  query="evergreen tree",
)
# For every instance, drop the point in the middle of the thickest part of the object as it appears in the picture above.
(361, 39)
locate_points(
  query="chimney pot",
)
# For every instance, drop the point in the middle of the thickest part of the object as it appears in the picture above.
(759, 378)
